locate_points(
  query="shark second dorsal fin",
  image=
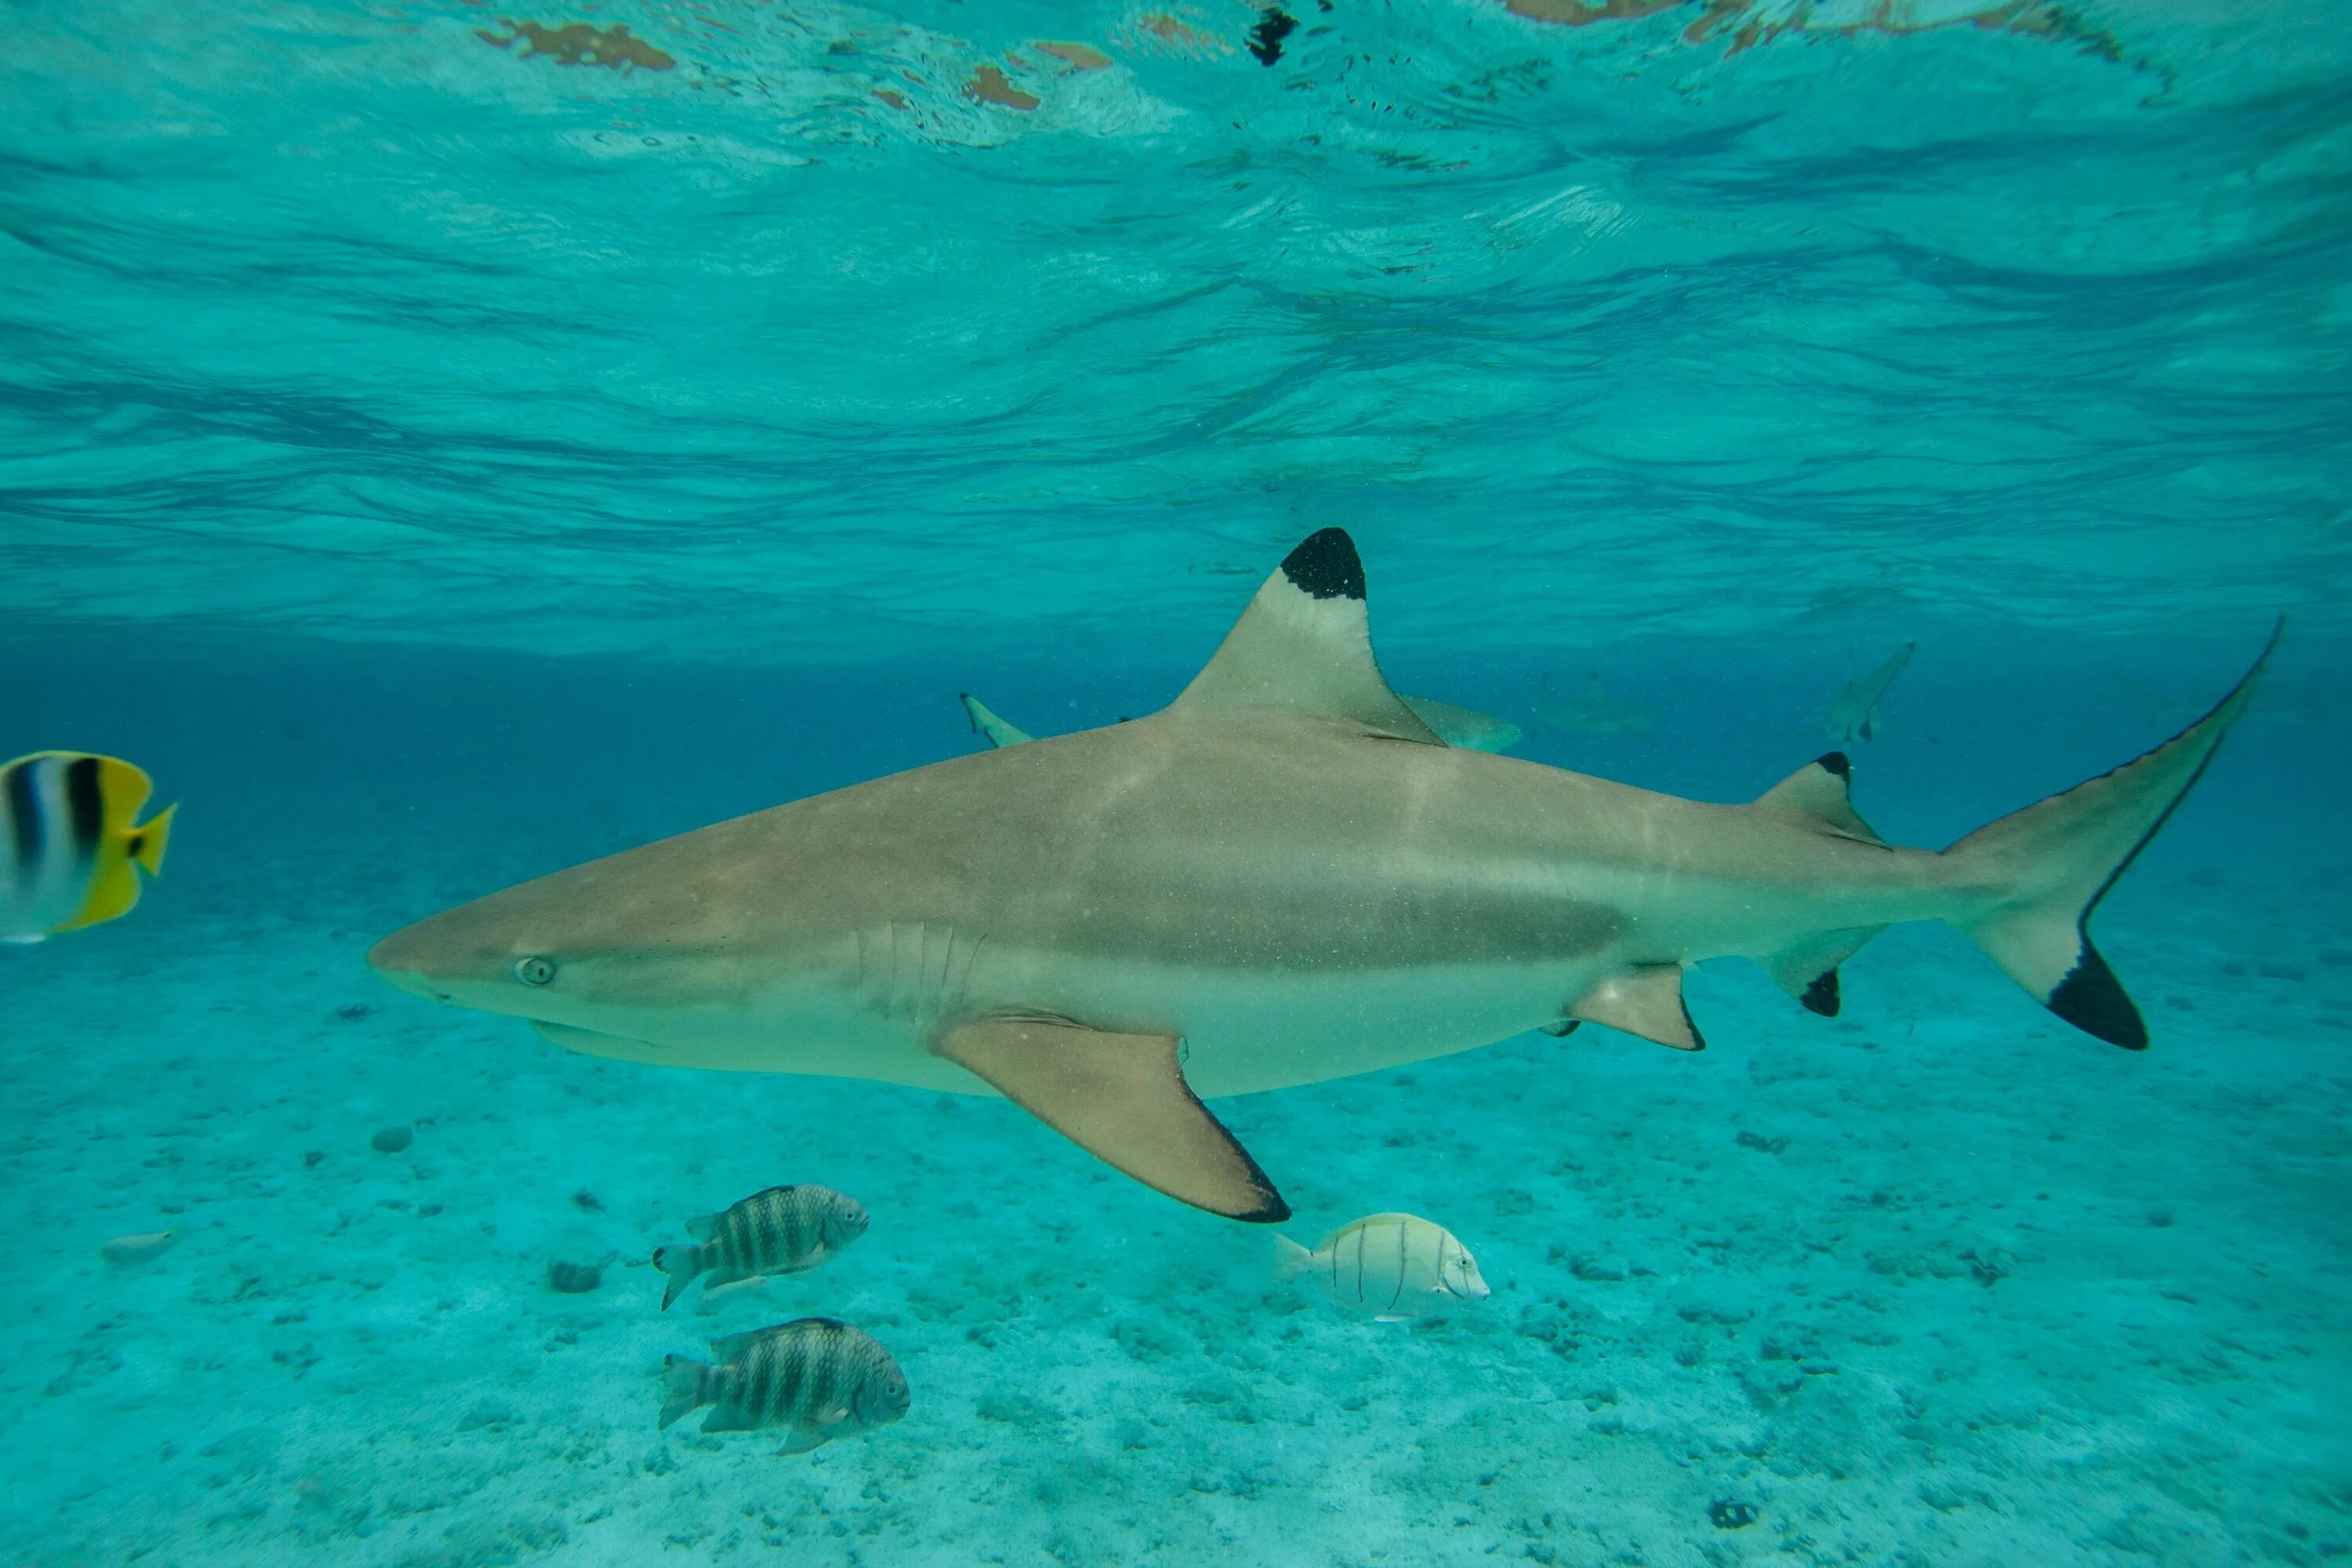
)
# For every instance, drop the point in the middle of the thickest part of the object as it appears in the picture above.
(1823, 790)
(1304, 646)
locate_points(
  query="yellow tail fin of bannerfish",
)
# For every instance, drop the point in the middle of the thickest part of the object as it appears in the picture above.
(147, 843)
(115, 887)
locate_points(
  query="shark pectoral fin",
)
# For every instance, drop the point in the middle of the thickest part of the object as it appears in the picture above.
(997, 731)
(1807, 969)
(1304, 646)
(1123, 1099)
(1823, 792)
(1648, 1002)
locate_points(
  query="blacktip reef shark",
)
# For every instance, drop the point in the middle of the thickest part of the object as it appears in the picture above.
(1454, 726)
(1282, 877)
(1853, 712)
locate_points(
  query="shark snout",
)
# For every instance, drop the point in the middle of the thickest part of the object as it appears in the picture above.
(406, 959)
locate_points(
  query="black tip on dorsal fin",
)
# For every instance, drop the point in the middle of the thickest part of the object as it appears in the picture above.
(1326, 566)
(1836, 763)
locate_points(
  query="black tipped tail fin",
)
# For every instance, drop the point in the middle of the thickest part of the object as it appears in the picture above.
(2057, 859)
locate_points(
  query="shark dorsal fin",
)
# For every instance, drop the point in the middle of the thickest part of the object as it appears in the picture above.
(1304, 646)
(1824, 791)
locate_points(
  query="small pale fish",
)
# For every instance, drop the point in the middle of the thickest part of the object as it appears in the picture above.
(998, 732)
(783, 1230)
(718, 1297)
(1394, 1266)
(1597, 712)
(1853, 712)
(125, 1251)
(816, 1378)
(69, 841)
(1465, 727)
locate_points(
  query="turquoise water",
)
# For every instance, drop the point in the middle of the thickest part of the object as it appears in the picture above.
(443, 447)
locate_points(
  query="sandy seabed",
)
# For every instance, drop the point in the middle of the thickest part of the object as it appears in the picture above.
(1938, 1282)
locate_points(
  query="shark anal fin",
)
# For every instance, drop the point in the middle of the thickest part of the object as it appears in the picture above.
(1304, 647)
(1821, 791)
(1121, 1097)
(1807, 969)
(1561, 1028)
(1646, 1001)
(998, 733)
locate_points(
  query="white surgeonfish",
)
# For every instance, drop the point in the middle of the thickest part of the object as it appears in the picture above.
(1395, 1266)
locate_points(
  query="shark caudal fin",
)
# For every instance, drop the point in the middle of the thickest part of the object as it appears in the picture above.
(2058, 858)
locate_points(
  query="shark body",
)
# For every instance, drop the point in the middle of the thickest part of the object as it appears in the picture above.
(1465, 727)
(1286, 877)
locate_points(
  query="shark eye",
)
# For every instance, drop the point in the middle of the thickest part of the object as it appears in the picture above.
(534, 970)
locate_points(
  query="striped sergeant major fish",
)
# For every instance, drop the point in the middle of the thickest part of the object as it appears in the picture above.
(68, 839)
(783, 1230)
(818, 1378)
(1396, 1267)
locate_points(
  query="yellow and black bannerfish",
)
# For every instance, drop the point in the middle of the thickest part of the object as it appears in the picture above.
(68, 836)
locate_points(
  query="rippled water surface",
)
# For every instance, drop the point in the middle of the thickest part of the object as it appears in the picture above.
(664, 326)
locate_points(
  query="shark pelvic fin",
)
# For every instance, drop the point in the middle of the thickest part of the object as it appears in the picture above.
(1822, 790)
(1808, 969)
(1123, 1099)
(985, 722)
(1648, 1002)
(1304, 646)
